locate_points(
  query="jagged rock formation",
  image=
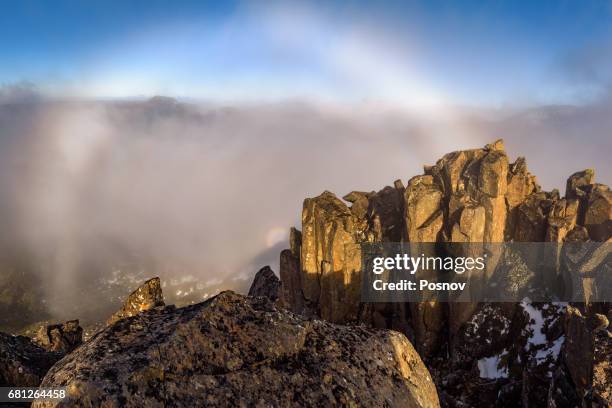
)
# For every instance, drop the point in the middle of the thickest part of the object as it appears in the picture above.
(63, 337)
(266, 283)
(146, 297)
(238, 351)
(470, 196)
(22, 362)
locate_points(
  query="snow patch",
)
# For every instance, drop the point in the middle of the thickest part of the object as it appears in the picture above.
(553, 351)
(489, 367)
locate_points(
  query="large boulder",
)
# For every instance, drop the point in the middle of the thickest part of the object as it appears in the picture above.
(240, 351)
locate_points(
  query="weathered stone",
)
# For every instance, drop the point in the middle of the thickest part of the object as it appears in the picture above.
(588, 355)
(561, 220)
(578, 350)
(265, 283)
(578, 180)
(22, 362)
(295, 242)
(423, 210)
(63, 337)
(238, 351)
(424, 223)
(521, 183)
(531, 220)
(387, 207)
(359, 201)
(598, 213)
(330, 258)
(146, 297)
(470, 226)
(291, 282)
(601, 389)
(475, 188)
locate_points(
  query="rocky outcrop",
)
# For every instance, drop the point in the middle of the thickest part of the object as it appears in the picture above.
(63, 337)
(22, 362)
(330, 259)
(467, 196)
(266, 283)
(240, 351)
(471, 196)
(146, 297)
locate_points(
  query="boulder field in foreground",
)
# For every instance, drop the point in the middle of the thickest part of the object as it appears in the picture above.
(234, 350)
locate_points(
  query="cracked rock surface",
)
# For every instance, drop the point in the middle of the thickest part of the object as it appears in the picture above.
(238, 351)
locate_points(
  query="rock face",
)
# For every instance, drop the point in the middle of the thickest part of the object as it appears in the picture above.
(330, 262)
(467, 196)
(291, 295)
(265, 284)
(240, 351)
(62, 338)
(23, 363)
(587, 356)
(146, 297)
(471, 196)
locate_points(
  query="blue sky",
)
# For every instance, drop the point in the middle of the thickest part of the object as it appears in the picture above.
(413, 53)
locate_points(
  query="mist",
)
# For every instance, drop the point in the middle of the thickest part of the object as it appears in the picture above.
(96, 193)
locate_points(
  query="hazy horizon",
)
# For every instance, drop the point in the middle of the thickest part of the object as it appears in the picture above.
(208, 192)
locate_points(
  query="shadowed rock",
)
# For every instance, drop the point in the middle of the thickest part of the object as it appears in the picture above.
(63, 337)
(577, 181)
(240, 351)
(587, 356)
(23, 363)
(265, 284)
